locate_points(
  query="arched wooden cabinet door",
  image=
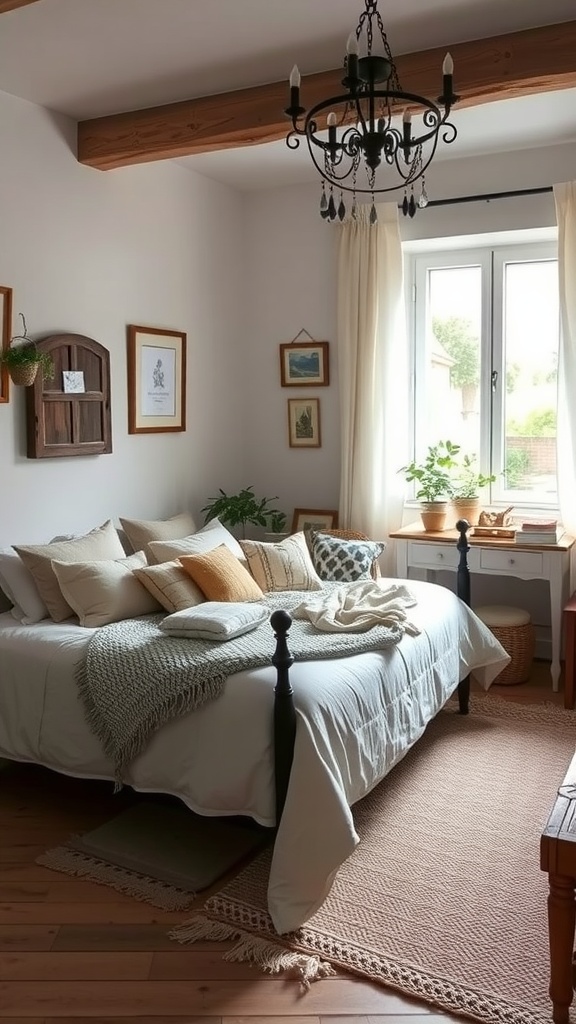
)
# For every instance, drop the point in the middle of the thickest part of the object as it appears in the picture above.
(62, 422)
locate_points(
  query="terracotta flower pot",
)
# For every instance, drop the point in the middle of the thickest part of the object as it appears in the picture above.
(433, 515)
(466, 508)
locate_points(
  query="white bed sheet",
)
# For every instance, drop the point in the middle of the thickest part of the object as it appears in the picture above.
(356, 717)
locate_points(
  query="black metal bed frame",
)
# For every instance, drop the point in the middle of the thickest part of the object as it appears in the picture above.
(284, 710)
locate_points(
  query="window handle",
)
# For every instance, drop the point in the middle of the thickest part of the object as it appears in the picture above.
(494, 379)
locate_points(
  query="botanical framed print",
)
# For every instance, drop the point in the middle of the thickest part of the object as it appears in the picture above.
(156, 380)
(304, 422)
(314, 519)
(5, 336)
(304, 364)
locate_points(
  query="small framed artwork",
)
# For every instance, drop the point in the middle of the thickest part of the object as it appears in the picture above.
(156, 380)
(73, 382)
(314, 519)
(304, 422)
(5, 336)
(304, 364)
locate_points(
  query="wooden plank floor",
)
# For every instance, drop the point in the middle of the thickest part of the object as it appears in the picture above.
(72, 951)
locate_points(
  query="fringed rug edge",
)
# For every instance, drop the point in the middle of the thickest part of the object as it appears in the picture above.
(131, 883)
(312, 956)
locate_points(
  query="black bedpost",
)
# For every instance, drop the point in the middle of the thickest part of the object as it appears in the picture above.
(284, 711)
(463, 591)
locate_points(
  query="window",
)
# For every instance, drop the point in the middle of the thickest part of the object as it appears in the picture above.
(485, 363)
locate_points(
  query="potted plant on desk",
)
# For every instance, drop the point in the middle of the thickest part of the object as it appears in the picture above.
(433, 482)
(466, 486)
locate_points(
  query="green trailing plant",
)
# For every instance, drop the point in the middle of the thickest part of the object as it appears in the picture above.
(27, 355)
(468, 481)
(432, 476)
(243, 508)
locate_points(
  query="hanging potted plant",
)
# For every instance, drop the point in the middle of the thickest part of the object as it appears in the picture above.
(467, 484)
(433, 482)
(23, 360)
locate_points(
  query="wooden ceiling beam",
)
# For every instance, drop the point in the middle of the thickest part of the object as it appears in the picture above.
(533, 61)
(12, 5)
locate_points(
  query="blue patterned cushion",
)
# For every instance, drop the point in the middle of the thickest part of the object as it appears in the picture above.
(343, 561)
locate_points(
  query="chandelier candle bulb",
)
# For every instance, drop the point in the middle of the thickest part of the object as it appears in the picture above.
(352, 62)
(295, 89)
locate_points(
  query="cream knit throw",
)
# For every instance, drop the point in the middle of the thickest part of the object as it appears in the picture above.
(135, 678)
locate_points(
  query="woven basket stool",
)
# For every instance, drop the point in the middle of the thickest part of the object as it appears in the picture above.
(513, 628)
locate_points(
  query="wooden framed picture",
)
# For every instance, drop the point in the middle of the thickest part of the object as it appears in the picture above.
(304, 422)
(156, 380)
(314, 519)
(5, 336)
(304, 364)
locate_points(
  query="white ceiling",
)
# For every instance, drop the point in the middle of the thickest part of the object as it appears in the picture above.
(86, 58)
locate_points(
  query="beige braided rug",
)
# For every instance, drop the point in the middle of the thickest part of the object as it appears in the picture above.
(444, 898)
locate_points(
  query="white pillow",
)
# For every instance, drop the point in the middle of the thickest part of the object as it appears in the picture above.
(105, 590)
(141, 531)
(19, 586)
(215, 620)
(206, 539)
(101, 543)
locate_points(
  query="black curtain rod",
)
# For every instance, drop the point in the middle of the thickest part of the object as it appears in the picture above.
(487, 196)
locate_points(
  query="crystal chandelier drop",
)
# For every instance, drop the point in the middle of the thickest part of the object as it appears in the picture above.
(374, 137)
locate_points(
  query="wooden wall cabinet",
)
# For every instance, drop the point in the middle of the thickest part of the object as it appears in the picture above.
(63, 424)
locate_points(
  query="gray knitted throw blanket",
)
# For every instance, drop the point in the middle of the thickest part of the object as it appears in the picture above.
(135, 678)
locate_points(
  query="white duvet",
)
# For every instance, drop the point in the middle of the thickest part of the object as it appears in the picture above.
(356, 717)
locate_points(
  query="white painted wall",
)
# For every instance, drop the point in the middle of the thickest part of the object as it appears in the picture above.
(90, 252)
(291, 260)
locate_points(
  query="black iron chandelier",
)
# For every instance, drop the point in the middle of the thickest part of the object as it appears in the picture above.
(352, 138)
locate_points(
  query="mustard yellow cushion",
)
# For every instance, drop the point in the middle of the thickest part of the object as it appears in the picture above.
(283, 566)
(220, 576)
(171, 585)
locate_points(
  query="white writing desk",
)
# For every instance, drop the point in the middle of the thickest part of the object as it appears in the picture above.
(430, 551)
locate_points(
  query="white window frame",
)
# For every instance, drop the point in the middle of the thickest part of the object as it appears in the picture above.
(491, 258)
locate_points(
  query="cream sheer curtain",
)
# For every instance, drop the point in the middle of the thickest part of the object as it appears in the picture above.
(373, 374)
(565, 199)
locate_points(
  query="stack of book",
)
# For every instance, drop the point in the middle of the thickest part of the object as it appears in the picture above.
(539, 531)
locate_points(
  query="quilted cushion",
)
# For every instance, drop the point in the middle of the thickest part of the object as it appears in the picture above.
(215, 621)
(343, 561)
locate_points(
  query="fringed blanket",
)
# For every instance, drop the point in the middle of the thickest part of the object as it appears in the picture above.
(135, 678)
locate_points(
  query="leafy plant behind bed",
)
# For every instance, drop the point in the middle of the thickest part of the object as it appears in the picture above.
(240, 509)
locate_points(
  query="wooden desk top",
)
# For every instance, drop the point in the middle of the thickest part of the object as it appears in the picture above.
(416, 531)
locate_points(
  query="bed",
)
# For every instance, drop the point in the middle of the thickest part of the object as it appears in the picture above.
(354, 718)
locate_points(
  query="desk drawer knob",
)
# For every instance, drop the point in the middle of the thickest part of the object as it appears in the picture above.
(511, 561)
(439, 556)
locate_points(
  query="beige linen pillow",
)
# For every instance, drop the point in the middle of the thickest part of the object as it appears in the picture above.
(283, 566)
(206, 539)
(221, 577)
(106, 590)
(101, 543)
(141, 531)
(171, 585)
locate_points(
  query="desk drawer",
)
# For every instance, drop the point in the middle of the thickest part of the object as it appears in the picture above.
(512, 562)
(433, 556)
